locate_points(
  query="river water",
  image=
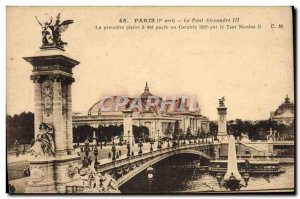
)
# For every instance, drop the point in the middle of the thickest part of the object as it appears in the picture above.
(170, 180)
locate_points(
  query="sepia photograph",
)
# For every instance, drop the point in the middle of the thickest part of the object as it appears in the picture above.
(150, 100)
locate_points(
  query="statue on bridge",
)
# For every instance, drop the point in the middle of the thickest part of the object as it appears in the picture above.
(221, 101)
(44, 143)
(51, 34)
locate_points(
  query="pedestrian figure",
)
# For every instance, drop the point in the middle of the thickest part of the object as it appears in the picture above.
(132, 153)
(26, 171)
(109, 155)
(32, 142)
(24, 150)
(12, 188)
(120, 153)
(118, 156)
(90, 160)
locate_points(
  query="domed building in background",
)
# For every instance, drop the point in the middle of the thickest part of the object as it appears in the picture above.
(155, 120)
(284, 114)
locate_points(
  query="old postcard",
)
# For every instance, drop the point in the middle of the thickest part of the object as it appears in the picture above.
(144, 100)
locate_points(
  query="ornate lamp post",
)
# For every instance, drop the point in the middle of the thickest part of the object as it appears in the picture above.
(77, 141)
(150, 176)
(101, 139)
(128, 150)
(113, 150)
(86, 158)
(246, 174)
(160, 145)
(158, 139)
(96, 163)
(232, 183)
(143, 135)
(97, 140)
(219, 178)
(140, 146)
(151, 148)
(246, 177)
(87, 148)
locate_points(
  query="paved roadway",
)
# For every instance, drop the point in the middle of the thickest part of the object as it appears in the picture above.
(16, 165)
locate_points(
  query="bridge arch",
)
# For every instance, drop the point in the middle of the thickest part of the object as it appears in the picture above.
(125, 178)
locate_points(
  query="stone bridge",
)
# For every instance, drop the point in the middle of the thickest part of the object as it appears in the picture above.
(125, 169)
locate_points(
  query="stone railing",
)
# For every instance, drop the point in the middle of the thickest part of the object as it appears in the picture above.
(145, 156)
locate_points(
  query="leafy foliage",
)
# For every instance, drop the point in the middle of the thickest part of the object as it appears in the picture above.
(178, 132)
(19, 127)
(169, 130)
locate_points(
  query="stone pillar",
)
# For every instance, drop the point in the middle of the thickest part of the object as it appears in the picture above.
(127, 126)
(159, 132)
(53, 169)
(208, 128)
(69, 128)
(222, 123)
(198, 124)
(181, 123)
(59, 140)
(38, 112)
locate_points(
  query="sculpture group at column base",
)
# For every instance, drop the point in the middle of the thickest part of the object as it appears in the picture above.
(50, 175)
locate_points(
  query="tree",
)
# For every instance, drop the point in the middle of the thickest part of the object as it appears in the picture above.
(198, 133)
(177, 131)
(81, 133)
(188, 133)
(169, 130)
(140, 132)
(20, 127)
(213, 126)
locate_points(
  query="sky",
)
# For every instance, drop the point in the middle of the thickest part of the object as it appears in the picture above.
(253, 69)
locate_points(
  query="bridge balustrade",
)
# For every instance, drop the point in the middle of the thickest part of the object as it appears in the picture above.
(145, 156)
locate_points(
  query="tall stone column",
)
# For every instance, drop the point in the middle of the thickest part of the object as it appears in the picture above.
(69, 128)
(52, 169)
(159, 132)
(38, 112)
(222, 123)
(127, 126)
(58, 118)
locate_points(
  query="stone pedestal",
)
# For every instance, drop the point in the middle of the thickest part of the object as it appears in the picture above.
(50, 175)
(52, 77)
